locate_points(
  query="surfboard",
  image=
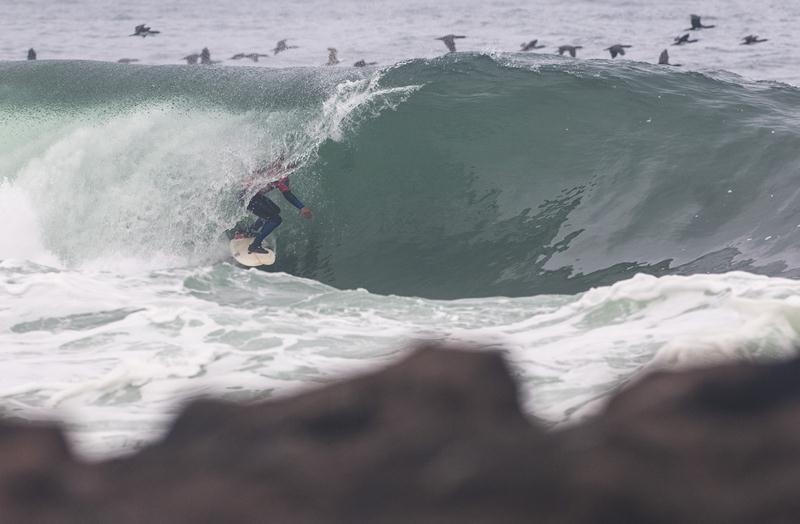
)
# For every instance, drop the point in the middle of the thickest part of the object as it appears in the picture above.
(240, 254)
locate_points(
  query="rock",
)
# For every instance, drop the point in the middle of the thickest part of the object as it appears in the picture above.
(438, 437)
(433, 437)
(39, 478)
(704, 446)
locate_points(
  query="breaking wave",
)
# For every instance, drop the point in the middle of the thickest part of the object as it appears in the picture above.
(463, 176)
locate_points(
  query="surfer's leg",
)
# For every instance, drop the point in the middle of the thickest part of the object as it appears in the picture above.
(269, 217)
(269, 226)
(255, 226)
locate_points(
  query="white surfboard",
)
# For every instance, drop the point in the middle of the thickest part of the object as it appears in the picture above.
(239, 252)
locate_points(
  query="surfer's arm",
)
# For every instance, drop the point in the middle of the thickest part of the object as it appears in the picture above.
(282, 185)
(288, 195)
(306, 212)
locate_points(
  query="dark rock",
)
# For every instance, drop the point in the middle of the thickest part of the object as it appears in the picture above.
(436, 436)
(702, 446)
(439, 437)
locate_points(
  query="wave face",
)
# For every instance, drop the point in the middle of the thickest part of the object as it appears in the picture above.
(463, 176)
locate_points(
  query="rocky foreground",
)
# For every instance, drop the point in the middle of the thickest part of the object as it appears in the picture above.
(439, 437)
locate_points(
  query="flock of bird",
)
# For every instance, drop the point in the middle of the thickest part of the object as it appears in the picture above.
(204, 56)
(619, 49)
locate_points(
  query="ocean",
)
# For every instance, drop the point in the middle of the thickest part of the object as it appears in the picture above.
(594, 219)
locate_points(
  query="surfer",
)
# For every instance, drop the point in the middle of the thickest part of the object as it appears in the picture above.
(267, 211)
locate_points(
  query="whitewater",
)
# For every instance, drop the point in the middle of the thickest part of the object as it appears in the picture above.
(592, 219)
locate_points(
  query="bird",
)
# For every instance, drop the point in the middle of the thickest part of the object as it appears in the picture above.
(252, 56)
(143, 31)
(127, 60)
(663, 59)
(752, 39)
(617, 49)
(205, 57)
(31, 54)
(680, 40)
(191, 59)
(332, 58)
(281, 46)
(531, 45)
(363, 63)
(571, 49)
(696, 24)
(449, 41)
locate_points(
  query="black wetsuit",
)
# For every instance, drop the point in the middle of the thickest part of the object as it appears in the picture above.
(267, 211)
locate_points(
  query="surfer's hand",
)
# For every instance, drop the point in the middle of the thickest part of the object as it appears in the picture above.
(306, 212)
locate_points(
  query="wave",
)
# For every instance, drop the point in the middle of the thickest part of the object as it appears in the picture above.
(463, 176)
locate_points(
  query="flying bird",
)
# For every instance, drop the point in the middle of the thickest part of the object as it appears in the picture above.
(205, 57)
(449, 41)
(281, 46)
(363, 63)
(332, 58)
(531, 45)
(696, 24)
(680, 40)
(571, 49)
(753, 39)
(617, 49)
(252, 56)
(663, 59)
(143, 31)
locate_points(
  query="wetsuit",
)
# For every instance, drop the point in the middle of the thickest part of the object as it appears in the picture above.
(267, 211)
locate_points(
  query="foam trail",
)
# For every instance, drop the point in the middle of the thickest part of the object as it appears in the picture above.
(122, 351)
